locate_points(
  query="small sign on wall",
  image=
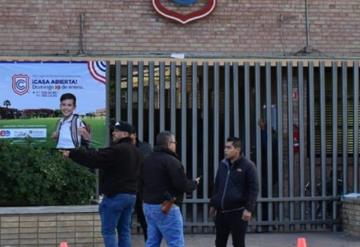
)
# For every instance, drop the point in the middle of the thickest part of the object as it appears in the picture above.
(199, 10)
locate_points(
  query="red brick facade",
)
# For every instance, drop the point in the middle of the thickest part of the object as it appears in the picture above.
(235, 28)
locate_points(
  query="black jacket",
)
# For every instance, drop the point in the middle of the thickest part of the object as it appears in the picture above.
(236, 185)
(144, 148)
(120, 164)
(162, 176)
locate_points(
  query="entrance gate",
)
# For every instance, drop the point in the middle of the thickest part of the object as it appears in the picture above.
(307, 153)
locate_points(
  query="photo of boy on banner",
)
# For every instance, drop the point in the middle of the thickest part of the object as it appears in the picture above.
(71, 132)
(35, 114)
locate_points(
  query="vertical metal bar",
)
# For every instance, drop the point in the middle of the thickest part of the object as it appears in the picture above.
(227, 101)
(162, 96)
(118, 91)
(81, 38)
(323, 137)
(183, 125)
(312, 137)
(258, 137)
(344, 126)
(140, 132)
(107, 119)
(290, 138)
(280, 132)
(356, 125)
(301, 137)
(236, 99)
(307, 26)
(173, 97)
(129, 93)
(269, 140)
(334, 138)
(107, 96)
(151, 103)
(247, 110)
(216, 116)
(194, 133)
(205, 137)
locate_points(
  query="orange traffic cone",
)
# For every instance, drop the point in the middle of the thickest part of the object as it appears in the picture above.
(63, 244)
(301, 242)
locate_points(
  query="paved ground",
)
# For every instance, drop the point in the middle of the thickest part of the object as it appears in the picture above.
(322, 239)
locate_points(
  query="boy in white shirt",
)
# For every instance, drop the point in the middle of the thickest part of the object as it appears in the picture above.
(70, 128)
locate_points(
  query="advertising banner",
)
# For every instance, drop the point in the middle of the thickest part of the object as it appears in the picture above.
(30, 94)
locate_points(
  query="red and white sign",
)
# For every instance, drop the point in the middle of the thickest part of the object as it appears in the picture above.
(181, 17)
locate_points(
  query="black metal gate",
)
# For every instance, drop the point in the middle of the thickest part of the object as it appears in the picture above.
(306, 154)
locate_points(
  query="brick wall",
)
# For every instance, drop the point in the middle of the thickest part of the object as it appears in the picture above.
(351, 216)
(50, 226)
(115, 27)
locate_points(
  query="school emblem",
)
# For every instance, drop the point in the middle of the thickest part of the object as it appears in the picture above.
(20, 84)
(184, 11)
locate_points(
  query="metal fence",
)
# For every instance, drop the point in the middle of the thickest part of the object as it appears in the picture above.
(306, 154)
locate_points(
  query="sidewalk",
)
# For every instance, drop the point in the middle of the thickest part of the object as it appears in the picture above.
(323, 239)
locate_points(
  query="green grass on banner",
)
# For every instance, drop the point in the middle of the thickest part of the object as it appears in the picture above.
(97, 125)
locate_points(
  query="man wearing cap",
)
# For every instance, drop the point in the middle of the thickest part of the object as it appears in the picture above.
(120, 164)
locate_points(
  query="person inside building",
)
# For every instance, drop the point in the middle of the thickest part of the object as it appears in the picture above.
(265, 171)
(163, 184)
(120, 164)
(235, 192)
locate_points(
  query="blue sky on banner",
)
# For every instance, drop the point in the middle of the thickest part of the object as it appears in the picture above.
(185, 2)
(33, 85)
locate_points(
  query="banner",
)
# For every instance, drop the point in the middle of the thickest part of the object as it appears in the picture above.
(30, 99)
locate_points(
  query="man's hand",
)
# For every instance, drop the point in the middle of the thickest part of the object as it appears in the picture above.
(65, 153)
(55, 135)
(246, 216)
(197, 180)
(261, 123)
(212, 212)
(84, 133)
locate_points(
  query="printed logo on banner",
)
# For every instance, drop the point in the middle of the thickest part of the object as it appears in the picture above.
(205, 7)
(4, 133)
(98, 70)
(20, 84)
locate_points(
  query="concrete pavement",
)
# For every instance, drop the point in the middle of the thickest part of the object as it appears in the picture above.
(319, 239)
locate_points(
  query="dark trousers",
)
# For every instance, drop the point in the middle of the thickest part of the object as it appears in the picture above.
(140, 216)
(227, 223)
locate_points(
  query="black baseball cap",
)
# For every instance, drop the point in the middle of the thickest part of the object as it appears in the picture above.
(123, 126)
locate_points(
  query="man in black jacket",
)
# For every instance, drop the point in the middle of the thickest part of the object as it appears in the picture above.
(235, 193)
(163, 179)
(120, 164)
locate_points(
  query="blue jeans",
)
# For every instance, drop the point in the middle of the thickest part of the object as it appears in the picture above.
(168, 226)
(115, 214)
